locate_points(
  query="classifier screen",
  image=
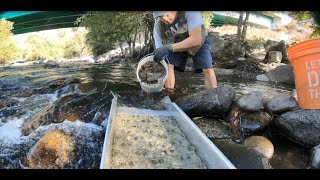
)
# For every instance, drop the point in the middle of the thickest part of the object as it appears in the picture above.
(151, 142)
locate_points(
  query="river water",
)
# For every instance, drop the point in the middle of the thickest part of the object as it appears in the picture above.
(28, 90)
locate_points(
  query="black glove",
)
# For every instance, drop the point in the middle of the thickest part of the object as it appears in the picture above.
(161, 52)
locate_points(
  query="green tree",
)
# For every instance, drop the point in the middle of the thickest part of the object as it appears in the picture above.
(42, 47)
(100, 36)
(207, 17)
(7, 45)
(243, 24)
(76, 47)
(106, 29)
(242, 29)
(307, 15)
(148, 33)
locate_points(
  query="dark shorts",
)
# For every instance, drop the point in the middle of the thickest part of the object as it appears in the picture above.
(201, 60)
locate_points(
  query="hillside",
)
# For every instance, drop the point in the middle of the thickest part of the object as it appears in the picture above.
(291, 33)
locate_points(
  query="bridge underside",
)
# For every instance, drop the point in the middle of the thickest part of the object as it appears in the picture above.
(31, 21)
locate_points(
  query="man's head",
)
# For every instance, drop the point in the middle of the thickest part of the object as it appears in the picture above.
(165, 16)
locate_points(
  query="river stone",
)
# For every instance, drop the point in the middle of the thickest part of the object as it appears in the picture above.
(51, 151)
(251, 102)
(215, 102)
(301, 126)
(260, 144)
(315, 157)
(282, 103)
(241, 156)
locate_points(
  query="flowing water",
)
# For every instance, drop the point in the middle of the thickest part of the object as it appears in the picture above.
(72, 101)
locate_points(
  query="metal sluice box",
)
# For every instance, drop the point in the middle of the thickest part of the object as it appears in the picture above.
(126, 149)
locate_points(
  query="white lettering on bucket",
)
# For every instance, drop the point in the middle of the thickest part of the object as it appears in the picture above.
(313, 64)
(314, 93)
(313, 75)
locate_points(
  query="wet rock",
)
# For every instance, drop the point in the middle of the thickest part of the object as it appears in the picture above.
(55, 84)
(7, 111)
(7, 108)
(24, 93)
(40, 118)
(79, 107)
(70, 107)
(251, 102)
(52, 151)
(251, 123)
(301, 126)
(80, 146)
(260, 144)
(282, 103)
(12, 153)
(88, 87)
(241, 156)
(8, 102)
(45, 90)
(71, 81)
(288, 154)
(215, 102)
(315, 157)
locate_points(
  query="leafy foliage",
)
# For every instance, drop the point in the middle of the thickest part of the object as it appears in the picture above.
(106, 28)
(7, 45)
(41, 46)
(76, 46)
(305, 15)
(207, 17)
(255, 41)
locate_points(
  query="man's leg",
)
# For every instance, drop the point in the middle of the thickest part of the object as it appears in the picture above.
(169, 84)
(210, 80)
(203, 61)
(176, 62)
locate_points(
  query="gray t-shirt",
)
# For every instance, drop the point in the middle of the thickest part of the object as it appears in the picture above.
(194, 20)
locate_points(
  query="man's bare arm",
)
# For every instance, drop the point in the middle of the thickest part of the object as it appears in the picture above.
(194, 40)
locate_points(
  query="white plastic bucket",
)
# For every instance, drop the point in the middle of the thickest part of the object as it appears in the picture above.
(152, 88)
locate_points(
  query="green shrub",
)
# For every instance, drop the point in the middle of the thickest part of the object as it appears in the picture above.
(7, 45)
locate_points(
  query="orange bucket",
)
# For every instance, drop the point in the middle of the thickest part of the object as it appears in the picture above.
(305, 59)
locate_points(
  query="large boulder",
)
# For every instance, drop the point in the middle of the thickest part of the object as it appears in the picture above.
(52, 151)
(242, 157)
(282, 74)
(215, 102)
(301, 126)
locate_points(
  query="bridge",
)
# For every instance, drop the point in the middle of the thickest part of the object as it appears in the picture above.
(30, 21)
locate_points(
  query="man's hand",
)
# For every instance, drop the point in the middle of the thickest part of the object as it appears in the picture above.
(161, 52)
